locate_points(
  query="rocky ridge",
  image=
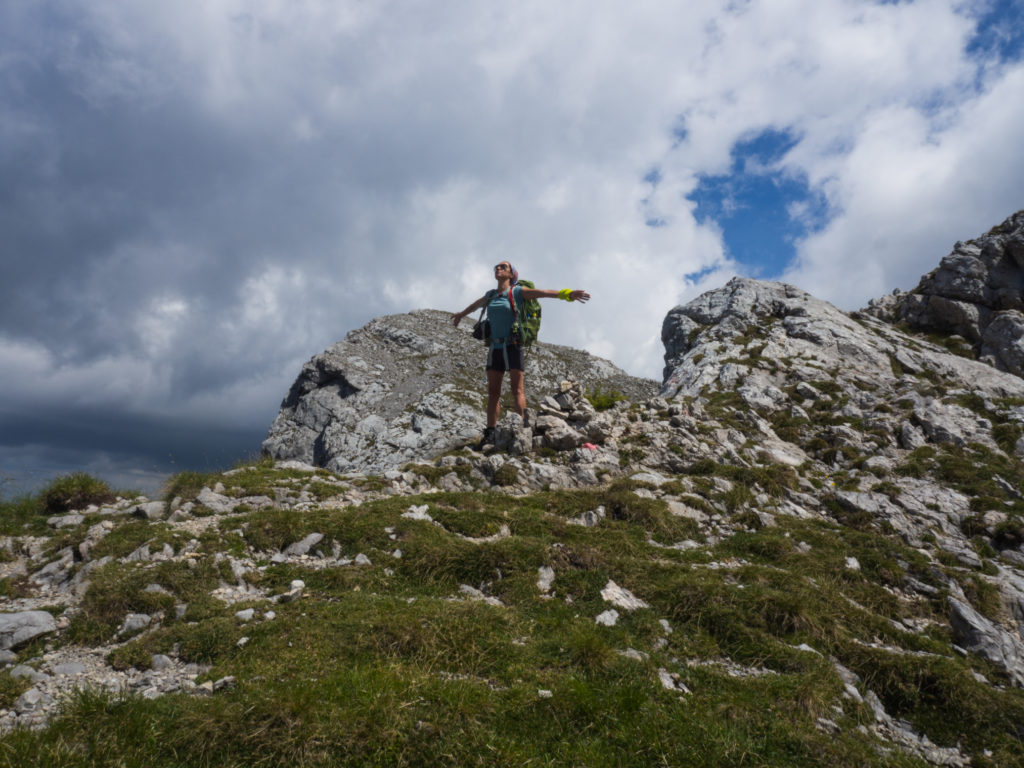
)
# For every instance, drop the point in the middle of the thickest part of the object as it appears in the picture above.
(974, 299)
(409, 387)
(775, 407)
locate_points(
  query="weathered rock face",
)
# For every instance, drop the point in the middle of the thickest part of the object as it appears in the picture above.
(407, 388)
(977, 293)
(758, 337)
(914, 431)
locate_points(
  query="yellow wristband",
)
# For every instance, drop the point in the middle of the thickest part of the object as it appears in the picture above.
(565, 294)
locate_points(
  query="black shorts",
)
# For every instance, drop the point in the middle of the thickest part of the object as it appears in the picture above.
(496, 358)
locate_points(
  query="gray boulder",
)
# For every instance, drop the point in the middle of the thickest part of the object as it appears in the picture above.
(985, 638)
(299, 548)
(18, 628)
(150, 510)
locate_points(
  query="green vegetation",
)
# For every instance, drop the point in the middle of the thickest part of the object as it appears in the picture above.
(603, 399)
(972, 470)
(26, 513)
(507, 474)
(391, 663)
(74, 491)
(11, 688)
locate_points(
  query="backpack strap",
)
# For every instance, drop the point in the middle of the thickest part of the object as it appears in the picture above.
(487, 298)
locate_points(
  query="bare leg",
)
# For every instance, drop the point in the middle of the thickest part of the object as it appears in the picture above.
(515, 379)
(494, 396)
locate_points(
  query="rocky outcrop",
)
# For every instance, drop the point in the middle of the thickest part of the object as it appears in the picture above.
(753, 336)
(851, 394)
(975, 294)
(408, 388)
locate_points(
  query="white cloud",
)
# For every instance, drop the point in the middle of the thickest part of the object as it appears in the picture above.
(908, 190)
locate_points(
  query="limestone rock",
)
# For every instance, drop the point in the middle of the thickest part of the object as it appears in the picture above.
(407, 388)
(303, 547)
(18, 628)
(976, 292)
(987, 639)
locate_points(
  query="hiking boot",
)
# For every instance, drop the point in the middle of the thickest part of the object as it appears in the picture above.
(487, 438)
(529, 417)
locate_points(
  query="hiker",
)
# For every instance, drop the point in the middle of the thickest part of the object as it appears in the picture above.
(505, 352)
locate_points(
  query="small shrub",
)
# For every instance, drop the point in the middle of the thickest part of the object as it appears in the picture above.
(857, 519)
(1007, 434)
(589, 651)
(187, 485)
(698, 503)
(274, 529)
(629, 456)
(1009, 534)
(973, 525)
(701, 467)
(749, 519)
(207, 641)
(984, 596)
(75, 491)
(603, 399)
(890, 489)
(11, 688)
(738, 497)
(507, 474)
(130, 655)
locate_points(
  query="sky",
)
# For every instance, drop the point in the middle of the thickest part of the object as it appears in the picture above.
(197, 197)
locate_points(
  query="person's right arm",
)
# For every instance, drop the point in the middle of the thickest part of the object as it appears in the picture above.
(478, 304)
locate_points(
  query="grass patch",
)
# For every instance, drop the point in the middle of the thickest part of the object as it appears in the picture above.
(604, 399)
(391, 663)
(11, 688)
(75, 491)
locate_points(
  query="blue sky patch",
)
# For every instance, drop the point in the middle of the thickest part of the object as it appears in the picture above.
(760, 210)
(1000, 31)
(653, 177)
(679, 131)
(693, 278)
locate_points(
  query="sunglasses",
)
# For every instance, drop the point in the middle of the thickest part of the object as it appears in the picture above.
(502, 266)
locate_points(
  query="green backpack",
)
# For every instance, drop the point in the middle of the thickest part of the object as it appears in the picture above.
(527, 317)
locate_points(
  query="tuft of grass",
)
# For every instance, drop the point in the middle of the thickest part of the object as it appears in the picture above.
(11, 688)
(506, 475)
(75, 491)
(603, 399)
(273, 529)
(187, 485)
(131, 654)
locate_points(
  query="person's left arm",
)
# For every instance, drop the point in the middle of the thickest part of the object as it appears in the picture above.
(565, 293)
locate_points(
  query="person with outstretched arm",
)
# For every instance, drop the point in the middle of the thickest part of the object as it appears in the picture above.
(505, 353)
